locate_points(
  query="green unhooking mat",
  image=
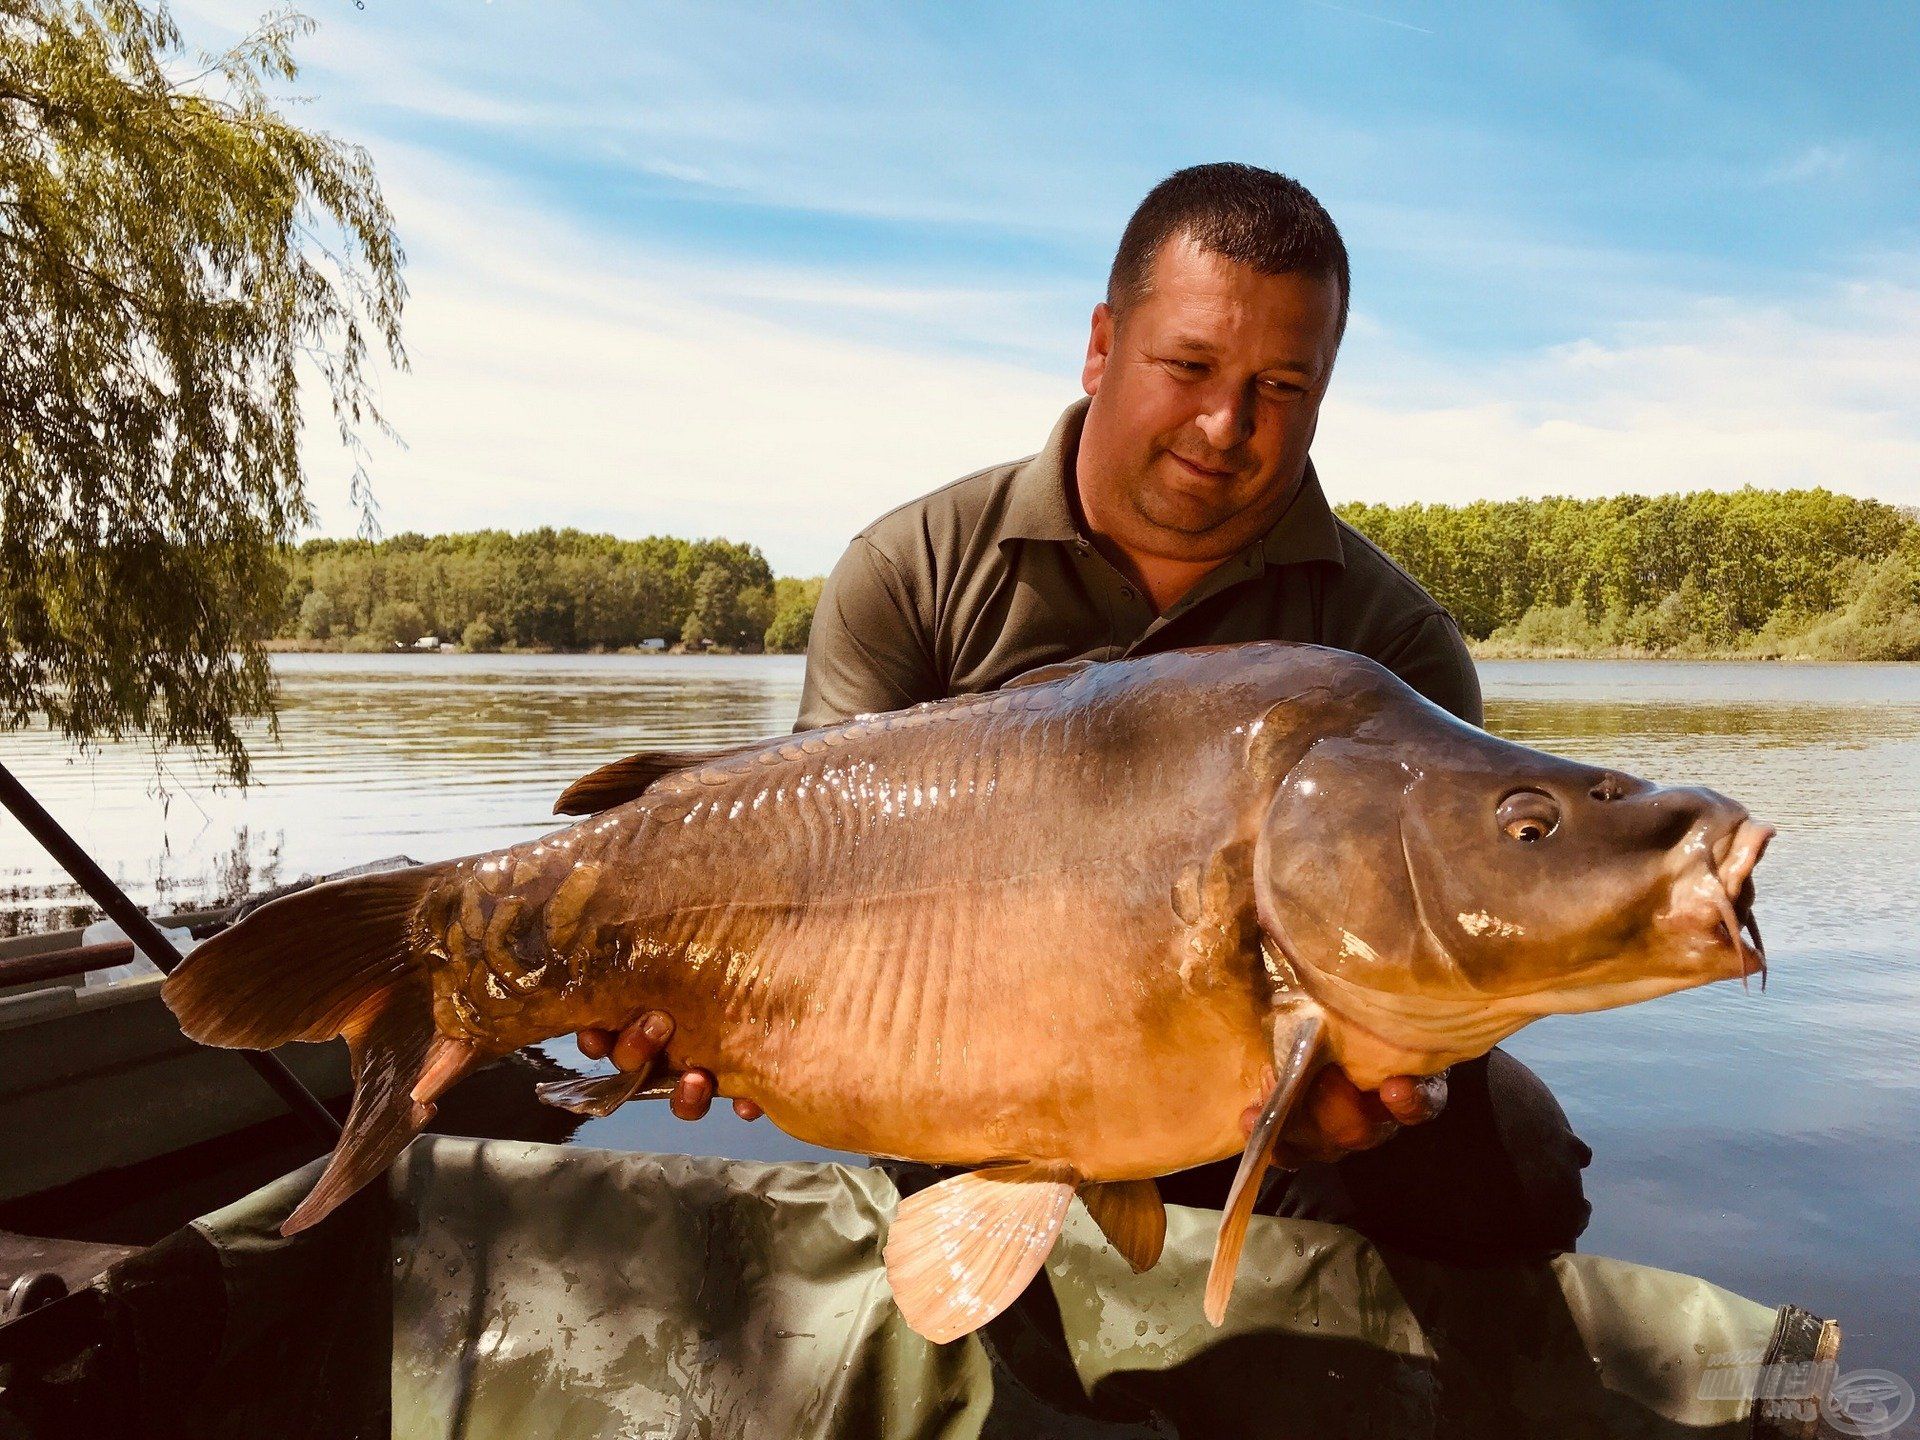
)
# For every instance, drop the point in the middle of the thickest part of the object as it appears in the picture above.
(502, 1289)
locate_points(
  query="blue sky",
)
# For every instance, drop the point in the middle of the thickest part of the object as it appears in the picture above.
(768, 270)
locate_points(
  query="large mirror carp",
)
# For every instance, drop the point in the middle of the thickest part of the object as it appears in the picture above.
(1063, 935)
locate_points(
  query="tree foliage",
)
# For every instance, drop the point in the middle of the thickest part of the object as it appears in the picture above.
(173, 256)
(1749, 571)
(546, 589)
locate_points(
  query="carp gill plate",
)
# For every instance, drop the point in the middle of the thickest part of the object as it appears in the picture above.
(1062, 934)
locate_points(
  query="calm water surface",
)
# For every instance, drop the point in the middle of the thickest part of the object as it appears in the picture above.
(1765, 1142)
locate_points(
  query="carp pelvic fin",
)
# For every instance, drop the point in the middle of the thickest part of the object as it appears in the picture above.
(601, 1095)
(1296, 1041)
(961, 1251)
(1132, 1216)
(627, 779)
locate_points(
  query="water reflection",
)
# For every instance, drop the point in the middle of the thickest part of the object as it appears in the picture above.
(31, 903)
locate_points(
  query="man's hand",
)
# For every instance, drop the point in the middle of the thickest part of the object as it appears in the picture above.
(1337, 1117)
(639, 1047)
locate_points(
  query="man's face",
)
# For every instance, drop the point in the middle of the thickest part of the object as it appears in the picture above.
(1205, 398)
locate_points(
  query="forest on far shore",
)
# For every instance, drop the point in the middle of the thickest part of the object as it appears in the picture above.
(1797, 573)
(1801, 574)
(541, 590)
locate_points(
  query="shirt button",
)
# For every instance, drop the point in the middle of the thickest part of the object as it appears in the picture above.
(1127, 590)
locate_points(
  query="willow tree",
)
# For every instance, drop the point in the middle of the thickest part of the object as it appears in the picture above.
(175, 259)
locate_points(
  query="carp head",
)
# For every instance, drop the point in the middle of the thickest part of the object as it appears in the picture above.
(1435, 888)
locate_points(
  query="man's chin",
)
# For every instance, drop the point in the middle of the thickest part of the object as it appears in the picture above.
(1182, 514)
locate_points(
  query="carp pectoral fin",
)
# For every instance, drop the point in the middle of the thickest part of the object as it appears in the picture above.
(1132, 1216)
(601, 1095)
(961, 1251)
(1296, 1039)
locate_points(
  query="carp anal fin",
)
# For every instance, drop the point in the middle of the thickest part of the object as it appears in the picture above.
(601, 1095)
(961, 1251)
(1132, 1216)
(1296, 1039)
(627, 779)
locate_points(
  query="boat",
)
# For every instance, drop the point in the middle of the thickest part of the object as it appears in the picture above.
(492, 1285)
(99, 1077)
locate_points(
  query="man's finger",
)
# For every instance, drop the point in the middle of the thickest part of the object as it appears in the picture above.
(692, 1095)
(640, 1043)
(595, 1044)
(1340, 1114)
(1415, 1099)
(747, 1110)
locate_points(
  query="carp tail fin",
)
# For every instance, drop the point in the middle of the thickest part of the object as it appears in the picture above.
(338, 959)
(389, 1044)
(960, 1252)
(1295, 1045)
(300, 967)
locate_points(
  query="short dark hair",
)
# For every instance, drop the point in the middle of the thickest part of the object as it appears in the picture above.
(1252, 216)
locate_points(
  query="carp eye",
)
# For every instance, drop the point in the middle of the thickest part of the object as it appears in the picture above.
(1528, 816)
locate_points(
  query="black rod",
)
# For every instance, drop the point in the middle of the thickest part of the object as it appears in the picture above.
(134, 923)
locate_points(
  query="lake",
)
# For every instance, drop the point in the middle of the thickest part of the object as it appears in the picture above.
(1765, 1142)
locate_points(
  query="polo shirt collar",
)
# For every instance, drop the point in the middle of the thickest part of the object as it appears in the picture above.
(1306, 529)
(1037, 504)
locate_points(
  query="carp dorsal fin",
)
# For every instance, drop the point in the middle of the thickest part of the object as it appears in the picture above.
(1042, 674)
(1132, 1216)
(961, 1251)
(624, 780)
(1296, 1042)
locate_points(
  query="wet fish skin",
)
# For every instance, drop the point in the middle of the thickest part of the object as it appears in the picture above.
(844, 928)
(1068, 932)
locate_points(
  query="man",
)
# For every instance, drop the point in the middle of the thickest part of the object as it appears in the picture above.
(1177, 506)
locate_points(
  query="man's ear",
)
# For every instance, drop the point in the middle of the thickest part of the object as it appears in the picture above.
(1099, 348)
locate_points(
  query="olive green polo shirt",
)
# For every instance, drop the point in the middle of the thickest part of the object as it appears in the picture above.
(959, 591)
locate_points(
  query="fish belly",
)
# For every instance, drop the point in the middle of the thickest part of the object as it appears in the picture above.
(990, 1046)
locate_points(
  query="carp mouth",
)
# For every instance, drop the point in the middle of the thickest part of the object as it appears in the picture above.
(1727, 888)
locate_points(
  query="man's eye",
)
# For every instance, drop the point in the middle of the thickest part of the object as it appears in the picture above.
(1281, 387)
(1186, 367)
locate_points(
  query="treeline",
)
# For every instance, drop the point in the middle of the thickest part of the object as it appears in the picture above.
(1797, 573)
(544, 590)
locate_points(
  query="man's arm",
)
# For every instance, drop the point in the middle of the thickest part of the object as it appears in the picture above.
(1431, 656)
(870, 648)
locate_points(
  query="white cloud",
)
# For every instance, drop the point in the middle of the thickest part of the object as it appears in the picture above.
(567, 378)
(1715, 397)
(558, 380)
(1815, 162)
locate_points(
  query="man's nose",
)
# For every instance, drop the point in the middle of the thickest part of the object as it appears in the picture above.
(1226, 419)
